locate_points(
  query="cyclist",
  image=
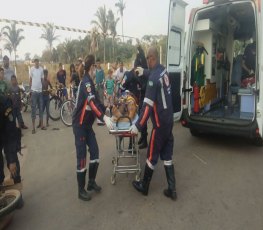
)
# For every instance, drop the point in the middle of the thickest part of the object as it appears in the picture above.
(74, 80)
(61, 78)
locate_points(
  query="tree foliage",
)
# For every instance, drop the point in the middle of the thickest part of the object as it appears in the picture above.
(13, 36)
(49, 35)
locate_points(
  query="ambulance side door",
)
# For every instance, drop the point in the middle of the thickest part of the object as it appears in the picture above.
(175, 53)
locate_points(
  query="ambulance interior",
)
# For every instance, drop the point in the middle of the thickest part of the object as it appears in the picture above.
(220, 88)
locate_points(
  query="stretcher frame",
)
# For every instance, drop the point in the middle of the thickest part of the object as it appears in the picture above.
(123, 153)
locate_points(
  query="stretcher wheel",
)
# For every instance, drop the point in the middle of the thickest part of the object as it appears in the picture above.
(113, 179)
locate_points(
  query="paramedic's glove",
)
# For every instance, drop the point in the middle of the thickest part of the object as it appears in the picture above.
(139, 71)
(12, 169)
(134, 129)
(251, 72)
(108, 122)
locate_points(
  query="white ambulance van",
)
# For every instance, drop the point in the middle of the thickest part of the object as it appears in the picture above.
(216, 71)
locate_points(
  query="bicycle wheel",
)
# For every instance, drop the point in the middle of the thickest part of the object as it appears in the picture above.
(66, 112)
(54, 108)
(9, 201)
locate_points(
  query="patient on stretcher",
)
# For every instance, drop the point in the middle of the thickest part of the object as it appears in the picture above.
(126, 109)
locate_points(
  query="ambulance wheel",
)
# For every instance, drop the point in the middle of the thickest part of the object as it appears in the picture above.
(258, 141)
(194, 132)
(113, 179)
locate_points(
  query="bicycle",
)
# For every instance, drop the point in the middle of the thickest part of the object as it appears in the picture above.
(56, 102)
(66, 110)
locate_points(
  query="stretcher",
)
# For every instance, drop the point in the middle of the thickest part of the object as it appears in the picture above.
(126, 159)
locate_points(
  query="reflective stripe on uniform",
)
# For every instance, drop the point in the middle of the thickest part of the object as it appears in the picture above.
(90, 97)
(156, 115)
(168, 163)
(162, 73)
(81, 170)
(162, 94)
(145, 115)
(95, 109)
(83, 112)
(149, 164)
(88, 108)
(152, 145)
(94, 161)
(148, 101)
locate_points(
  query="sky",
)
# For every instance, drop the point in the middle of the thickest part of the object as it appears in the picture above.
(141, 17)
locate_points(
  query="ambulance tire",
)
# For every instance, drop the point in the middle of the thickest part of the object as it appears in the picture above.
(258, 141)
(194, 132)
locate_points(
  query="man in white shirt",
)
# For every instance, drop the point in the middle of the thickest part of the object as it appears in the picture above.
(8, 72)
(118, 77)
(36, 79)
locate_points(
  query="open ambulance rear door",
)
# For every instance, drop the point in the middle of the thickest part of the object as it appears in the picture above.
(175, 52)
(259, 5)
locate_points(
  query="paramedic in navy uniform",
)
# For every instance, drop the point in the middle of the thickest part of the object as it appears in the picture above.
(86, 110)
(157, 104)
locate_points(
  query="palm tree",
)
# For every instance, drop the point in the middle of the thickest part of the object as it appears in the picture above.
(94, 45)
(112, 28)
(49, 35)
(13, 36)
(121, 6)
(9, 48)
(102, 24)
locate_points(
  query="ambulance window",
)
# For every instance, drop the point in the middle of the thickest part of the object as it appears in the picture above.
(174, 54)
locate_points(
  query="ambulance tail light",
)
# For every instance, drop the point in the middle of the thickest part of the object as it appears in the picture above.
(206, 1)
(259, 6)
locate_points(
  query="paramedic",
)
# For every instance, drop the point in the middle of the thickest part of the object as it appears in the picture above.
(87, 108)
(157, 105)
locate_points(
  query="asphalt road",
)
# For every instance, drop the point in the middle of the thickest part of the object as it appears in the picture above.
(219, 184)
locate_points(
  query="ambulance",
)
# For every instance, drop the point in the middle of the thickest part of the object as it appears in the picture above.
(216, 68)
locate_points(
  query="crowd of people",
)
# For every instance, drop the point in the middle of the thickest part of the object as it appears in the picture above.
(95, 95)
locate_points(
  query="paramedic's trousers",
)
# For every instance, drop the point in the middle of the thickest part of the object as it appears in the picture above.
(85, 136)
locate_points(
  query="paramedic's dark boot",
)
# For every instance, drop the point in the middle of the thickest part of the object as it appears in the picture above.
(83, 194)
(143, 185)
(171, 191)
(93, 168)
(144, 144)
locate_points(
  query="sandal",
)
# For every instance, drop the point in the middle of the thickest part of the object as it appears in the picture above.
(43, 128)
(33, 131)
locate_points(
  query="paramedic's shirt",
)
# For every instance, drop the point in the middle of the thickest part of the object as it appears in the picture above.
(158, 100)
(87, 104)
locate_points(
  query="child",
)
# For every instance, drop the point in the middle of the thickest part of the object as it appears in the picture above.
(16, 100)
(109, 85)
(45, 92)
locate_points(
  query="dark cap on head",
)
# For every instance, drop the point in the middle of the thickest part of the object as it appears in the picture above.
(6, 58)
(36, 60)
